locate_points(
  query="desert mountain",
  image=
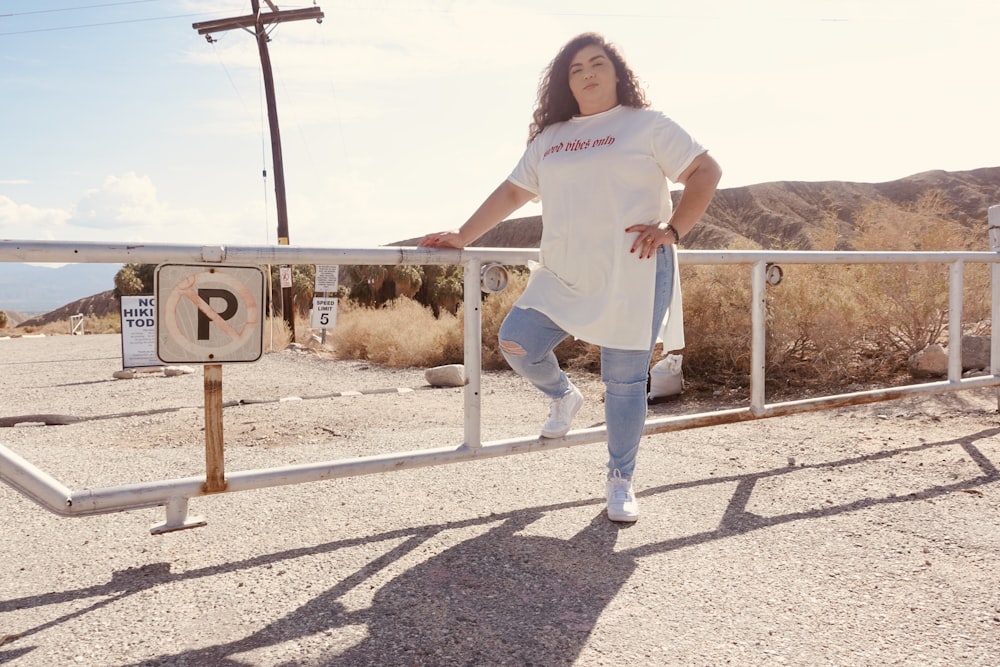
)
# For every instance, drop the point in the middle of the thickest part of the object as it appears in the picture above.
(98, 305)
(779, 214)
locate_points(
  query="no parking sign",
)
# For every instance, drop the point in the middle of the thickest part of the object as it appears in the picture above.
(209, 314)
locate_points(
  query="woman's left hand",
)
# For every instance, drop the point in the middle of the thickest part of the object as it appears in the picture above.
(650, 237)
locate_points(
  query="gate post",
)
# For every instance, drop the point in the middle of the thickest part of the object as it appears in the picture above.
(473, 353)
(994, 229)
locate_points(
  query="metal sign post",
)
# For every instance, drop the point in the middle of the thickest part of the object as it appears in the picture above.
(210, 314)
(215, 466)
(324, 310)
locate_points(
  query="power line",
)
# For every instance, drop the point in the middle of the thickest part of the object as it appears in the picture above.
(72, 9)
(96, 25)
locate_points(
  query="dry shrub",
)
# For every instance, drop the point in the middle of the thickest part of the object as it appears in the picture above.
(276, 334)
(106, 324)
(833, 323)
(906, 305)
(717, 320)
(977, 299)
(813, 324)
(578, 355)
(813, 319)
(401, 335)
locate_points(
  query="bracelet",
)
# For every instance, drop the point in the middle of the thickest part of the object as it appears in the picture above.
(673, 230)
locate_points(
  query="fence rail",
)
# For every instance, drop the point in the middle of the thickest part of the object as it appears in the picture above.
(174, 494)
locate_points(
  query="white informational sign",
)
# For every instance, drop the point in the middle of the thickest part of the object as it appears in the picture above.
(324, 313)
(327, 277)
(286, 276)
(139, 332)
(209, 313)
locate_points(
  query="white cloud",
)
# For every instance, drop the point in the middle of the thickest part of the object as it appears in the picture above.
(120, 202)
(127, 208)
(26, 222)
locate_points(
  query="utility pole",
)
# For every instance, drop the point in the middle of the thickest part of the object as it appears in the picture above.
(255, 24)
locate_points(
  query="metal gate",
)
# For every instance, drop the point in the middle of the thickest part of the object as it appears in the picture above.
(174, 494)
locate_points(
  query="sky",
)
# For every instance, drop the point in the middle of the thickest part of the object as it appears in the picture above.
(119, 123)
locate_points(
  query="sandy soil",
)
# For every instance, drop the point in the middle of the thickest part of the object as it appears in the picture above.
(862, 536)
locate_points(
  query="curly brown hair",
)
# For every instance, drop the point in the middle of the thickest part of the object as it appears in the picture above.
(555, 100)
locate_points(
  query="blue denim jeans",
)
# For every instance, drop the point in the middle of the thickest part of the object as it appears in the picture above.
(527, 339)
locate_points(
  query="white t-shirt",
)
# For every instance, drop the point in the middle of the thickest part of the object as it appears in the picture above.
(597, 175)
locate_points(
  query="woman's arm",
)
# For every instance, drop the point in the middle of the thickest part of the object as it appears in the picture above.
(699, 179)
(503, 201)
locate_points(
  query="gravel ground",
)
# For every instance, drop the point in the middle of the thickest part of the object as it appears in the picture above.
(862, 536)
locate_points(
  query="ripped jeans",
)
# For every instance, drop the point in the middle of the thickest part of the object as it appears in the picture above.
(528, 338)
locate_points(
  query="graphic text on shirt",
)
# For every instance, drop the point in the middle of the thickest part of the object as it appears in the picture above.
(579, 145)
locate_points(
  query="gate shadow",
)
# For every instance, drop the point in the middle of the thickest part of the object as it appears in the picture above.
(500, 596)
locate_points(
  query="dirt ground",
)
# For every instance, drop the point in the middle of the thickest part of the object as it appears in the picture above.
(861, 536)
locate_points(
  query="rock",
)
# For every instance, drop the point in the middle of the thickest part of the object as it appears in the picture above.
(173, 371)
(126, 374)
(452, 375)
(932, 361)
(975, 352)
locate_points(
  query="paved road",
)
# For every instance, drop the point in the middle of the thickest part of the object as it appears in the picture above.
(866, 536)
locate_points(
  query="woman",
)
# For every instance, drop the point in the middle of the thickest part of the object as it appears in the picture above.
(600, 162)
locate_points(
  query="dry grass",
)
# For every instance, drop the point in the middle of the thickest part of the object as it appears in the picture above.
(833, 324)
(906, 306)
(717, 322)
(91, 325)
(402, 334)
(277, 336)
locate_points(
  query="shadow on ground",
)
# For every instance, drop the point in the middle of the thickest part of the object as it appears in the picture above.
(501, 596)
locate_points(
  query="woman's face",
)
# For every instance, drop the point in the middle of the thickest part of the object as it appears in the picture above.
(593, 80)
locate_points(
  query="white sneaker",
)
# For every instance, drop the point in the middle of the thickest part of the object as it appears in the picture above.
(561, 413)
(622, 505)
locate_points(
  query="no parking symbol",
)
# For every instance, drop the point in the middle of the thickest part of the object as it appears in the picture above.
(209, 313)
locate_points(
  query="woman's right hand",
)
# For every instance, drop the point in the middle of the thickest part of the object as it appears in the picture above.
(450, 239)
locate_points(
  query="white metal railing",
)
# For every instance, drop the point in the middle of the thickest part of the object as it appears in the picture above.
(174, 494)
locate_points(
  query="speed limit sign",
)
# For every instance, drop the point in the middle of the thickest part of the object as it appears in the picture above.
(324, 313)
